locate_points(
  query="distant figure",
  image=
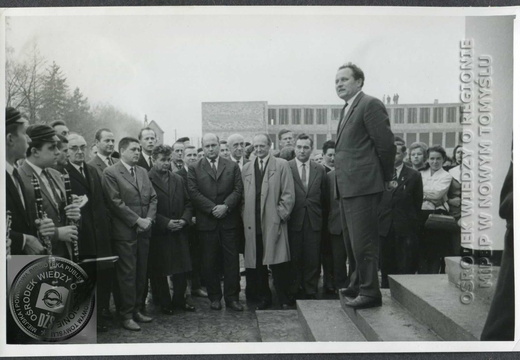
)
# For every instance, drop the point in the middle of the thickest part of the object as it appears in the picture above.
(318, 158)
(397, 98)
(285, 138)
(200, 153)
(224, 149)
(93, 151)
(388, 99)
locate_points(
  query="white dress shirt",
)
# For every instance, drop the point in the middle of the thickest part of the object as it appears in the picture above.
(350, 102)
(240, 161)
(307, 170)
(435, 189)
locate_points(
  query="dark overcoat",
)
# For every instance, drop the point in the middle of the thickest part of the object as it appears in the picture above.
(169, 251)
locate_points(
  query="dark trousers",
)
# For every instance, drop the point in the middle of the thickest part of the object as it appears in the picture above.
(305, 257)
(131, 269)
(500, 323)
(327, 260)
(103, 288)
(339, 253)
(396, 255)
(195, 254)
(359, 215)
(220, 251)
(160, 283)
(257, 280)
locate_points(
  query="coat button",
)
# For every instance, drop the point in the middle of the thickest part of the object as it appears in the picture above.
(249, 227)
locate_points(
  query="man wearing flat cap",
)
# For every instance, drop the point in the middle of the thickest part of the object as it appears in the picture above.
(23, 233)
(42, 154)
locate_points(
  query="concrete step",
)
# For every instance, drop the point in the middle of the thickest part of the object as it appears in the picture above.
(324, 320)
(390, 322)
(480, 279)
(279, 326)
(436, 303)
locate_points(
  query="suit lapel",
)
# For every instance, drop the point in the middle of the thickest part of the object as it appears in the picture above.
(29, 172)
(13, 192)
(269, 171)
(346, 117)
(156, 179)
(74, 173)
(296, 174)
(127, 176)
(312, 174)
(208, 169)
(221, 167)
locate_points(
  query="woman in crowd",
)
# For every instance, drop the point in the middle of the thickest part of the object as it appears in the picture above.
(436, 183)
(418, 153)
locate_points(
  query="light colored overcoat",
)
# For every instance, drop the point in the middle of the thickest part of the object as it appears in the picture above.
(277, 201)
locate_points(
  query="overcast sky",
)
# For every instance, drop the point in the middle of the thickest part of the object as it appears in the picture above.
(165, 66)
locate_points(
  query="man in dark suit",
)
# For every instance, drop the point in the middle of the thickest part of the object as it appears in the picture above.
(399, 219)
(133, 203)
(215, 188)
(148, 139)
(105, 144)
(23, 232)
(195, 287)
(306, 221)
(94, 236)
(364, 162)
(41, 155)
(327, 257)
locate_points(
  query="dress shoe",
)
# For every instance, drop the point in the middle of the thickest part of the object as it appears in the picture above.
(235, 305)
(142, 318)
(216, 305)
(287, 307)
(349, 292)
(130, 324)
(187, 307)
(364, 302)
(167, 310)
(263, 305)
(199, 293)
(105, 314)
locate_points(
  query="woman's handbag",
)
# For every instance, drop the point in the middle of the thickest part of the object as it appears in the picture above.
(442, 221)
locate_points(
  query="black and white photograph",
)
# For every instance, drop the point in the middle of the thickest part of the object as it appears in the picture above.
(257, 180)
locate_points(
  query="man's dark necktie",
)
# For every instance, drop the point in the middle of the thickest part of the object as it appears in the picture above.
(304, 176)
(214, 167)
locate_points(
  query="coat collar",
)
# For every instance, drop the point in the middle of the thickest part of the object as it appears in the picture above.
(157, 179)
(74, 173)
(347, 116)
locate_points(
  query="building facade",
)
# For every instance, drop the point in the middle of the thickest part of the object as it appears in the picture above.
(433, 124)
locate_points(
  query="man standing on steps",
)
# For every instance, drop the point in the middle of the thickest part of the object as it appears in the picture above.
(364, 162)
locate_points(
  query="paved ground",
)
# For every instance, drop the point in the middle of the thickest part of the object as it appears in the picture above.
(206, 325)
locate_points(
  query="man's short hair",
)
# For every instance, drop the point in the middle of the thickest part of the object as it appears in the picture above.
(305, 137)
(356, 71)
(402, 147)
(161, 150)
(199, 150)
(124, 142)
(399, 139)
(183, 139)
(283, 131)
(100, 132)
(145, 129)
(57, 123)
(223, 142)
(269, 142)
(190, 147)
(215, 135)
(329, 144)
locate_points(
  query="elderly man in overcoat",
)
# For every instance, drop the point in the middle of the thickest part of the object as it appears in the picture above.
(268, 202)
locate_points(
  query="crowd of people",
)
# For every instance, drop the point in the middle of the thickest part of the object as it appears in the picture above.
(182, 215)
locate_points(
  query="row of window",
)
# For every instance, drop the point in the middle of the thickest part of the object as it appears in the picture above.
(447, 140)
(311, 116)
(397, 116)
